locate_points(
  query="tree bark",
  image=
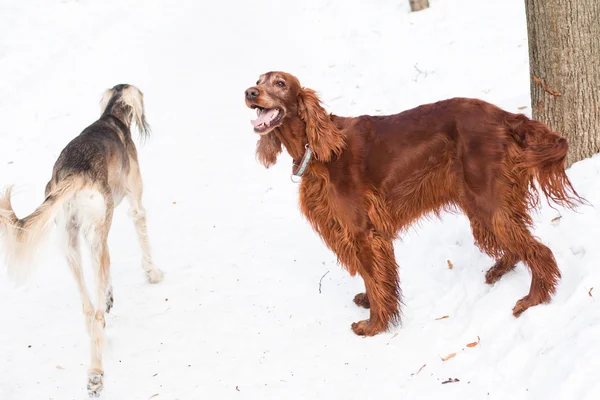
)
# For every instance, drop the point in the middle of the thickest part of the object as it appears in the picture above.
(418, 5)
(564, 61)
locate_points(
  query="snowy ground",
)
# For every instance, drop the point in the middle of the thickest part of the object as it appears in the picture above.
(240, 315)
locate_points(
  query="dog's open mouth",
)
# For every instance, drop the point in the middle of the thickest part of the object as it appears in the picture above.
(266, 118)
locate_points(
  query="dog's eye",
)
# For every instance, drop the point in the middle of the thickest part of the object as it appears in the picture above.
(280, 83)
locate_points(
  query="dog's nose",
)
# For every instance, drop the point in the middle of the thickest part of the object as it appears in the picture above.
(252, 93)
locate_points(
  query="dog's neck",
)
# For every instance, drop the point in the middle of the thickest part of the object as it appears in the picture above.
(123, 114)
(293, 137)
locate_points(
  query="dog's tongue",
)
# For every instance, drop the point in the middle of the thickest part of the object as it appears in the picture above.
(264, 118)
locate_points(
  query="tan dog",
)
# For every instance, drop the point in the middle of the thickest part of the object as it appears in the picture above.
(90, 178)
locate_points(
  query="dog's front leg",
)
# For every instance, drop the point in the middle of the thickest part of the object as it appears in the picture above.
(372, 256)
(380, 272)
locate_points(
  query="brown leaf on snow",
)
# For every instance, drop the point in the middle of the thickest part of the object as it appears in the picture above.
(450, 265)
(449, 356)
(444, 317)
(590, 292)
(395, 334)
(474, 343)
(556, 219)
(522, 107)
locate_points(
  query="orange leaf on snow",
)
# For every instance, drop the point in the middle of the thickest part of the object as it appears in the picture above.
(444, 317)
(556, 219)
(449, 356)
(472, 344)
(450, 265)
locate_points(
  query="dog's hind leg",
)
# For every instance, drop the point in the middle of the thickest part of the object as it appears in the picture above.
(96, 232)
(138, 215)
(488, 242)
(70, 247)
(505, 264)
(514, 233)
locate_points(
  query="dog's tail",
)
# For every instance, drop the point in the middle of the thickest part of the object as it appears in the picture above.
(545, 153)
(21, 238)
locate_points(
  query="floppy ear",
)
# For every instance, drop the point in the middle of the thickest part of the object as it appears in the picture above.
(135, 98)
(105, 99)
(324, 138)
(267, 149)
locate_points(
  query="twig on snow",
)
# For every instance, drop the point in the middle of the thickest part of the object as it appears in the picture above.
(420, 369)
(451, 380)
(321, 280)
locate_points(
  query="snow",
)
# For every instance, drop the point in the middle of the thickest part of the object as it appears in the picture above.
(239, 314)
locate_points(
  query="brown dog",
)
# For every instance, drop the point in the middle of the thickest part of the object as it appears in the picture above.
(364, 179)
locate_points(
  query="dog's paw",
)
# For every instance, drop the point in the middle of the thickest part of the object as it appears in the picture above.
(365, 328)
(362, 300)
(95, 384)
(155, 275)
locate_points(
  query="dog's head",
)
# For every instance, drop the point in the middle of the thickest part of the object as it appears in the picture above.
(274, 97)
(279, 99)
(127, 103)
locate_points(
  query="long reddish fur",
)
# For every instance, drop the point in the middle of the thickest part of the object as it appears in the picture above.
(373, 176)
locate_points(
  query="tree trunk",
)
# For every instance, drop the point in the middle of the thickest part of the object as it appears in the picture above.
(564, 62)
(418, 5)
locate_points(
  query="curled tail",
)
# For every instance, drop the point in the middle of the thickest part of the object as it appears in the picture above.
(20, 238)
(545, 153)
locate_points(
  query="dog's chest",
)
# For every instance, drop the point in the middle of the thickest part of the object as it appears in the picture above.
(326, 206)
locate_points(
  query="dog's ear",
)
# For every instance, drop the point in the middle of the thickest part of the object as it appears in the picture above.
(324, 138)
(134, 97)
(267, 149)
(108, 93)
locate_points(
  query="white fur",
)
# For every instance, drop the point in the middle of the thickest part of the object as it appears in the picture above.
(133, 97)
(105, 99)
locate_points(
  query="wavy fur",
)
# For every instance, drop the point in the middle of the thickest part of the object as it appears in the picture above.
(376, 176)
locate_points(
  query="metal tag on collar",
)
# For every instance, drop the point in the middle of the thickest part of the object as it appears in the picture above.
(303, 164)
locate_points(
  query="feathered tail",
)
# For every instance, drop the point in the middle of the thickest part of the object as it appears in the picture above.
(545, 154)
(20, 238)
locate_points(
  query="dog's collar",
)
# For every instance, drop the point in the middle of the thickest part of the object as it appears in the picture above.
(298, 170)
